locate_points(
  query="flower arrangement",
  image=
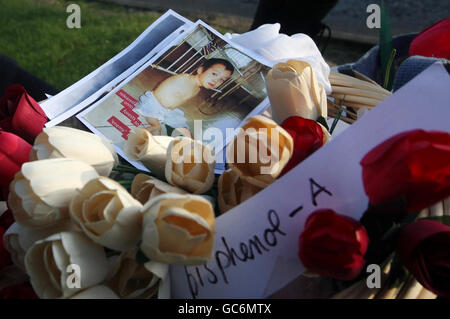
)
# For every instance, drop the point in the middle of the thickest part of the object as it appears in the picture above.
(403, 177)
(71, 204)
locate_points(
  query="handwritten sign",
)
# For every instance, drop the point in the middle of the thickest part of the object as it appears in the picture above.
(256, 243)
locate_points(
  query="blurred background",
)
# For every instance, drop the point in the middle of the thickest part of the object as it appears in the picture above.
(34, 35)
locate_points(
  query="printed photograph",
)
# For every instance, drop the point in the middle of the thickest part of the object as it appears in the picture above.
(201, 77)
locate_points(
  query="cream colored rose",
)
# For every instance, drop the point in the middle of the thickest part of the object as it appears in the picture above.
(190, 165)
(51, 264)
(150, 150)
(259, 151)
(233, 190)
(96, 292)
(178, 229)
(107, 214)
(293, 89)
(67, 142)
(41, 192)
(133, 280)
(146, 187)
(18, 239)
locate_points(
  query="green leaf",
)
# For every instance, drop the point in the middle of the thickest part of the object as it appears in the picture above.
(141, 258)
(129, 169)
(336, 120)
(386, 46)
(169, 130)
(389, 70)
(442, 219)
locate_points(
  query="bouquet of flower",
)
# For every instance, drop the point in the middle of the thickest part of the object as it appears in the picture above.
(80, 225)
(403, 238)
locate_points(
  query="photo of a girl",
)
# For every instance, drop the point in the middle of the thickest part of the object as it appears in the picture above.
(200, 76)
(160, 106)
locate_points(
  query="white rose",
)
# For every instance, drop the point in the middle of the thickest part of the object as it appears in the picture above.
(293, 89)
(178, 229)
(190, 165)
(41, 192)
(108, 214)
(133, 280)
(67, 142)
(150, 150)
(233, 190)
(47, 261)
(146, 187)
(260, 151)
(18, 239)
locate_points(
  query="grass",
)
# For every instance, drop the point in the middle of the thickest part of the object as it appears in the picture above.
(35, 34)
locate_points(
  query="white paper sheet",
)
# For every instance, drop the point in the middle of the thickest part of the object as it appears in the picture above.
(259, 108)
(268, 221)
(91, 87)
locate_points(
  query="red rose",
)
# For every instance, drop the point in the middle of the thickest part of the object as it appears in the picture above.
(434, 41)
(333, 245)
(14, 151)
(308, 138)
(5, 259)
(18, 292)
(424, 247)
(21, 114)
(414, 165)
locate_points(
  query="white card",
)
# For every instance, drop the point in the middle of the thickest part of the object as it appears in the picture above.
(269, 224)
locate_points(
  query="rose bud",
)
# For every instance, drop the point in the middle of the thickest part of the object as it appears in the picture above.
(47, 262)
(259, 151)
(150, 150)
(190, 165)
(107, 214)
(146, 187)
(96, 292)
(21, 114)
(434, 41)
(233, 190)
(14, 151)
(424, 247)
(41, 192)
(18, 239)
(293, 89)
(178, 229)
(308, 136)
(414, 165)
(333, 245)
(67, 142)
(132, 280)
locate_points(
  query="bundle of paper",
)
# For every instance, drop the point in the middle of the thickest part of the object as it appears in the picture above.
(350, 94)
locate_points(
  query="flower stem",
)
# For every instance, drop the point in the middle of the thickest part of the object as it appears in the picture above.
(129, 169)
(126, 183)
(336, 119)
